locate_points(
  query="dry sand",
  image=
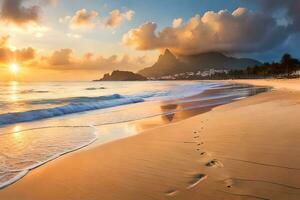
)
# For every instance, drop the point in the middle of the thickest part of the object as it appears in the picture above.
(248, 149)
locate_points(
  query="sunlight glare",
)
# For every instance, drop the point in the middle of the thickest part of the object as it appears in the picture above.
(14, 68)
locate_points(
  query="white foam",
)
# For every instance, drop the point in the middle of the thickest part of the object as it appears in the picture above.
(26, 150)
(11, 118)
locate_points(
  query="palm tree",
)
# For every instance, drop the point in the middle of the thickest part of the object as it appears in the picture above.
(289, 64)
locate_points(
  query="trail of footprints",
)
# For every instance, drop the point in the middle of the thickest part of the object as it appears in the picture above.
(212, 163)
(199, 177)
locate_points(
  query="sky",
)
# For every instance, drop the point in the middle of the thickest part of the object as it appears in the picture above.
(81, 40)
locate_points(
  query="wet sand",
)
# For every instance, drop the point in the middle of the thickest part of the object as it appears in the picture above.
(247, 149)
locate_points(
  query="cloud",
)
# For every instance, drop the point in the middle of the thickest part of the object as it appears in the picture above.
(142, 38)
(74, 35)
(51, 2)
(177, 22)
(4, 41)
(98, 62)
(289, 7)
(65, 59)
(39, 35)
(61, 57)
(88, 56)
(25, 54)
(14, 12)
(21, 56)
(129, 14)
(116, 17)
(21, 16)
(113, 62)
(83, 19)
(7, 55)
(64, 19)
(239, 31)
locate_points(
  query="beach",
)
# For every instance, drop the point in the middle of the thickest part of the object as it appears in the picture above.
(246, 149)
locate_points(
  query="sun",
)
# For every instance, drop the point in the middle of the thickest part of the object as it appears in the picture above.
(14, 68)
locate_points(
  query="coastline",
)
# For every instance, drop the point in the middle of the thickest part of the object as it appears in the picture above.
(242, 150)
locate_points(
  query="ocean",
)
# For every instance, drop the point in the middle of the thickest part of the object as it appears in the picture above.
(22, 102)
(40, 121)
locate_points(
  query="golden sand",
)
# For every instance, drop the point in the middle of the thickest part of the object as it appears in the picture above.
(248, 149)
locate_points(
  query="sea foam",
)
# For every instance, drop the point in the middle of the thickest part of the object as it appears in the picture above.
(78, 104)
(26, 150)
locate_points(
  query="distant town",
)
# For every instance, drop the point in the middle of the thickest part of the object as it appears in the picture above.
(205, 74)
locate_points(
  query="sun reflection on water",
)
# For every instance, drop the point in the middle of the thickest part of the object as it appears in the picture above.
(13, 87)
(16, 132)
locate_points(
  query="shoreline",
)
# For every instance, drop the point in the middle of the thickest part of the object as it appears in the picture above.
(171, 111)
(183, 160)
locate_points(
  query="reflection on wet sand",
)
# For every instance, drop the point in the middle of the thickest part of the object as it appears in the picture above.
(180, 109)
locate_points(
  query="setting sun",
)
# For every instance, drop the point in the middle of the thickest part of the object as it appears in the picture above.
(14, 68)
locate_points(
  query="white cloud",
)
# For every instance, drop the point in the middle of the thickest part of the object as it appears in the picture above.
(82, 19)
(39, 35)
(74, 35)
(64, 19)
(177, 22)
(116, 17)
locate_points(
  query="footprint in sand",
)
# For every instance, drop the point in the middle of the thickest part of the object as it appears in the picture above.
(197, 178)
(228, 183)
(214, 163)
(171, 192)
(196, 137)
(201, 143)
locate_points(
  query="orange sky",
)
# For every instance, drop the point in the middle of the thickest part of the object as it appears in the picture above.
(59, 40)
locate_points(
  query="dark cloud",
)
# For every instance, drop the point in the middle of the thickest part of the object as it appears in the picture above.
(13, 11)
(240, 31)
(291, 8)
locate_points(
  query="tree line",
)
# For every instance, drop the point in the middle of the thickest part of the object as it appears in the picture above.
(286, 68)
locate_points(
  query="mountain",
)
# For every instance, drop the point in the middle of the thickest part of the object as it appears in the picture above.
(217, 61)
(166, 64)
(169, 64)
(122, 76)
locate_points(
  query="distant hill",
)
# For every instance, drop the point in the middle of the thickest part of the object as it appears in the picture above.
(169, 64)
(166, 64)
(122, 76)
